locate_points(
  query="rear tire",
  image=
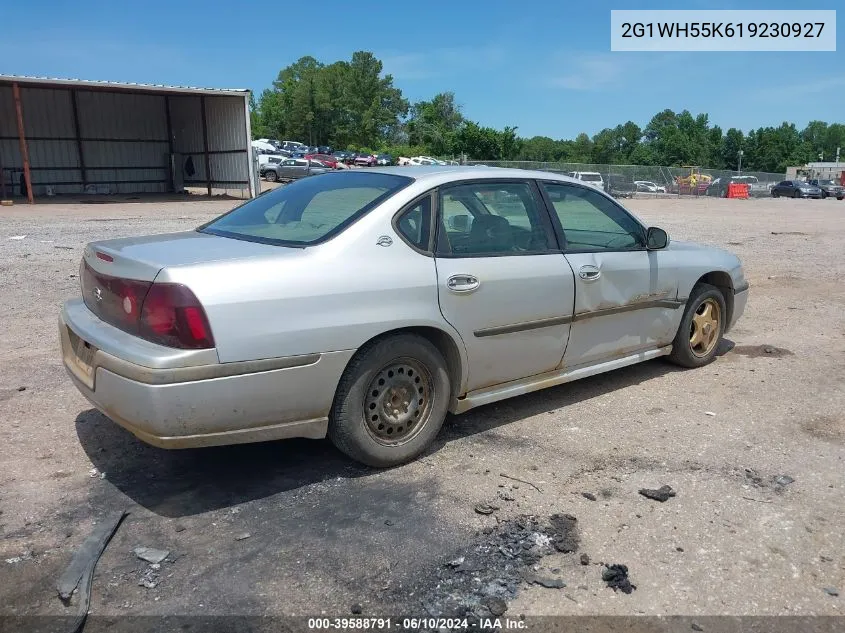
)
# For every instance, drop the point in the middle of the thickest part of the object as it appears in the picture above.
(271, 176)
(701, 329)
(775, 194)
(391, 401)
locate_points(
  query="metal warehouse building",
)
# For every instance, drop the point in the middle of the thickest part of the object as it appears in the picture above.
(67, 136)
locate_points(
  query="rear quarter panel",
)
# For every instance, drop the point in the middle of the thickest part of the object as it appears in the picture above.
(331, 297)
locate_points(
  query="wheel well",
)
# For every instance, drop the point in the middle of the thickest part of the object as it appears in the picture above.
(444, 343)
(723, 282)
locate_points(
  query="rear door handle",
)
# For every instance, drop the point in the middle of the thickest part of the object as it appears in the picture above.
(589, 272)
(462, 283)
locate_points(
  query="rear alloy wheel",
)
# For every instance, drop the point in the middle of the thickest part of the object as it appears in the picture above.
(271, 176)
(391, 401)
(701, 329)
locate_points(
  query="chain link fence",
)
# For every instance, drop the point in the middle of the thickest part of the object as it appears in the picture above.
(652, 181)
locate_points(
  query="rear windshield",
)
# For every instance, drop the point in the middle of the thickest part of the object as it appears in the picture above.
(591, 177)
(309, 210)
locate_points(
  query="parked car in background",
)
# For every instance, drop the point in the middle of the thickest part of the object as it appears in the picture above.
(273, 159)
(344, 156)
(364, 160)
(592, 178)
(539, 280)
(620, 186)
(830, 188)
(647, 186)
(796, 189)
(292, 169)
(327, 159)
(324, 149)
(384, 160)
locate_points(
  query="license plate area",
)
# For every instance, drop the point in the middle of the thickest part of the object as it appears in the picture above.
(80, 358)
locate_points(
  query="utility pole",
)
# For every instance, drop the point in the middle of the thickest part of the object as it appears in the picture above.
(739, 167)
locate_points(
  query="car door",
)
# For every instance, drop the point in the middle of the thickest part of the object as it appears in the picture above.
(503, 283)
(626, 296)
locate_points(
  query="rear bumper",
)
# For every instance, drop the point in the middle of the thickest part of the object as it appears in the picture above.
(202, 405)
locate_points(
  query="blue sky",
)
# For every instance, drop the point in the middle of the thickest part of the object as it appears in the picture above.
(545, 67)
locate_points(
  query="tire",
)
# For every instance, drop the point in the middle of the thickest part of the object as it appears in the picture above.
(362, 423)
(797, 194)
(824, 195)
(775, 194)
(684, 352)
(271, 176)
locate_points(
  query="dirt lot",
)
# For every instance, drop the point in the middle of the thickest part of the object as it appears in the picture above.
(325, 534)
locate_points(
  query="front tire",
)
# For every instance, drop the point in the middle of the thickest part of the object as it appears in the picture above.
(391, 401)
(796, 194)
(271, 176)
(701, 328)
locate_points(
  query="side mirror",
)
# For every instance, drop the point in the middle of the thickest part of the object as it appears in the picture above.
(656, 239)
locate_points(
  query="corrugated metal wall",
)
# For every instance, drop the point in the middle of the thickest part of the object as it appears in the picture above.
(123, 137)
(125, 142)
(228, 146)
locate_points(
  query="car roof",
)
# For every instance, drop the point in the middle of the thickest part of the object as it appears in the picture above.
(440, 174)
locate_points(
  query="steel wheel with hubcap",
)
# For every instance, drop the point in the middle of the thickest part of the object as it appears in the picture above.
(391, 400)
(702, 327)
(398, 401)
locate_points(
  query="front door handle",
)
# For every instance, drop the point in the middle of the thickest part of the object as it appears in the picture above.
(462, 283)
(589, 272)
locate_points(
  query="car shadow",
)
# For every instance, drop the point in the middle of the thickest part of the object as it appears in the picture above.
(185, 482)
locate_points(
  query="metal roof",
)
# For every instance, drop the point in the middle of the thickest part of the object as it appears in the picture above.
(53, 82)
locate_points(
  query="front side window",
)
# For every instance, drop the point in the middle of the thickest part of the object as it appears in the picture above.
(309, 210)
(491, 219)
(591, 221)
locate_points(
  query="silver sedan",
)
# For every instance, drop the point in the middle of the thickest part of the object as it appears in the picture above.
(366, 304)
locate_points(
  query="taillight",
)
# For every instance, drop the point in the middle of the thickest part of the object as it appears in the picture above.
(172, 315)
(163, 313)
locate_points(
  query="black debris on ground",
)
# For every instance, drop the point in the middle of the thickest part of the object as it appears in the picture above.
(782, 480)
(695, 626)
(616, 577)
(544, 581)
(21, 388)
(831, 591)
(664, 493)
(497, 606)
(485, 508)
(564, 532)
(357, 609)
(588, 495)
(479, 581)
(585, 560)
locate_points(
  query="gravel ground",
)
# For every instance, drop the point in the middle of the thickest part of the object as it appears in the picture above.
(325, 534)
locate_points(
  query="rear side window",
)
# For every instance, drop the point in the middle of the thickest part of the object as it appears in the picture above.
(485, 219)
(307, 211)
(414, 224)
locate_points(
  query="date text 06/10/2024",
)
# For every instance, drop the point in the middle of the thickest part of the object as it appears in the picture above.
(414, 624)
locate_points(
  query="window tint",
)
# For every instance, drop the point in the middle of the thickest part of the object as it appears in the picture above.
(415, 223)
(308, 210)
(491, 219)
(590, 221)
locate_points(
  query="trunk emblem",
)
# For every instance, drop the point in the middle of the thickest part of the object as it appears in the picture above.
(98, 294)
(384, 240)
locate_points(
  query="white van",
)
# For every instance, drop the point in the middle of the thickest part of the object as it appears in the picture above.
(592, 178)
